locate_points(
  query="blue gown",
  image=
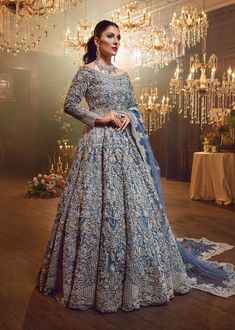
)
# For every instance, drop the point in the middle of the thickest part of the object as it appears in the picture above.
(111, 246)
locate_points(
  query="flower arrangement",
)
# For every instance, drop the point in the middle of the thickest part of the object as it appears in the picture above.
(46, 186)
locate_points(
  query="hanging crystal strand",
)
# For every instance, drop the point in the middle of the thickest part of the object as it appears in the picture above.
(9, 31)
(186, 102)
(197, 106)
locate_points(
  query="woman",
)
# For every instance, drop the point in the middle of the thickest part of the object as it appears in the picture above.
(111, 245)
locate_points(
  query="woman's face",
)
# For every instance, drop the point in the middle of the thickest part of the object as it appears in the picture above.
(109, 41)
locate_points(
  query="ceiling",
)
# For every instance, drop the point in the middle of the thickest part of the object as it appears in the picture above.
(162, 11)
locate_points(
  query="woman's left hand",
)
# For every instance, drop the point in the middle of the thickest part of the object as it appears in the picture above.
(125, 119)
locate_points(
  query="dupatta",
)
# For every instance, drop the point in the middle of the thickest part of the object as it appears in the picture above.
(210, 276)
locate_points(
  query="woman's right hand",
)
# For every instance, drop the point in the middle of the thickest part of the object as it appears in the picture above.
(112, 116)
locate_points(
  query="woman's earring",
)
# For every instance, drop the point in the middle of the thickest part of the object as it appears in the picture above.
(97, 51)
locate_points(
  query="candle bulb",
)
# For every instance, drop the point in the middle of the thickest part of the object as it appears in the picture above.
(67, 32)
(213, 73)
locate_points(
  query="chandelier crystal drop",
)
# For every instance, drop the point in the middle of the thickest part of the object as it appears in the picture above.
(190, 27)
(22, 22)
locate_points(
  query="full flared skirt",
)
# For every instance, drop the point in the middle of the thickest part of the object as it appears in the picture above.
(111, 246)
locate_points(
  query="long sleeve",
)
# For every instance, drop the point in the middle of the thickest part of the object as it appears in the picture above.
(132, 104)
(76, 92)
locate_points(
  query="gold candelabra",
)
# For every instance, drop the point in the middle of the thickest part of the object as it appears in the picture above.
(62, 166)
(190, 27)
(60, 169)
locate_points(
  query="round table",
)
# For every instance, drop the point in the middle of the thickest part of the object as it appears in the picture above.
(213, 177)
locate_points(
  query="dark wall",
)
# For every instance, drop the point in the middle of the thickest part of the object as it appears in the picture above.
(28, 133)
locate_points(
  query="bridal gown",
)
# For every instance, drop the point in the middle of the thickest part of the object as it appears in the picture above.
(111, 246)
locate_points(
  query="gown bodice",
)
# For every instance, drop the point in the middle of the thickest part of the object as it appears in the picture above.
(103, 93)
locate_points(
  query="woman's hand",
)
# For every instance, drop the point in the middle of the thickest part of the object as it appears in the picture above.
(112, 116)
(119, 119)
(125, 119)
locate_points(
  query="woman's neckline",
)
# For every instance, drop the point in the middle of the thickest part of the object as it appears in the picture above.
(104, 74)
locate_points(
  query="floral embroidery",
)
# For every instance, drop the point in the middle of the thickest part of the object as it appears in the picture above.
(111, 245)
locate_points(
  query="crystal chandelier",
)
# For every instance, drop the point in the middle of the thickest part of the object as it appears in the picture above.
(226, 90)
(201, 94)
(22, 22)
(133, 19)
(190, 27)
(157, 49)
(84, 32)
(176, 85)
(154, 114)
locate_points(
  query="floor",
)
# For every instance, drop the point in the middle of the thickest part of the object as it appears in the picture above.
(24, 229)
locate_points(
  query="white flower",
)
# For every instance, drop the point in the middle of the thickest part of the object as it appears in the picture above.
(43, 181)
(39, 175)
(45, 176)
(35, 183)
(35, 179)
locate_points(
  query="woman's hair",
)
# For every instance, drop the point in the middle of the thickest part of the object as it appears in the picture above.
(90, 54)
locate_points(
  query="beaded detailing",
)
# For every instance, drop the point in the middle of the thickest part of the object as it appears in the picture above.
(107, 69)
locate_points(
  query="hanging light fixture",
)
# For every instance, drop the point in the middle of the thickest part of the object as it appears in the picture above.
(133, 19)
(84, 31)
(154, 114)
(190, 27)
(202, 93)
(22, 22)
(157, 49)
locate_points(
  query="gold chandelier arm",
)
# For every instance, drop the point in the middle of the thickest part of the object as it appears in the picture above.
(40, 10)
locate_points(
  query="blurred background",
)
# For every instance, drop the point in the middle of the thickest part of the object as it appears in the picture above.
(34, 79)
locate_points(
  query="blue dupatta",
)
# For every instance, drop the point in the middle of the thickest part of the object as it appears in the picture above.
(210, 276)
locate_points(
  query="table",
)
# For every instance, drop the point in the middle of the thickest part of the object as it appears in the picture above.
(213, 177)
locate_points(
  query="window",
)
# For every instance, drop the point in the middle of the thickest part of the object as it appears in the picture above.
(6, 87)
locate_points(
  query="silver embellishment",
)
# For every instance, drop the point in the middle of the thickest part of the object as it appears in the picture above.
(108, 69)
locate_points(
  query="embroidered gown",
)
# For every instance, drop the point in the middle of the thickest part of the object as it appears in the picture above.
(111, 246)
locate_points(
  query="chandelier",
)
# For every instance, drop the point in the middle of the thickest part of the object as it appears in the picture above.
(46, 8)
(226, 90)
(157, 49)
(176, 85)
(202, 93)
(22, 22)
(190, 27)
(154, 114)
(133, 19)
(84, 32)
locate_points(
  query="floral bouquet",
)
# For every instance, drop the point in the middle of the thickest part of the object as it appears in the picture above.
(46, 186)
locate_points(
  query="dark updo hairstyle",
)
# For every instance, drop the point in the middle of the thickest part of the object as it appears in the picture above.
(90, 55)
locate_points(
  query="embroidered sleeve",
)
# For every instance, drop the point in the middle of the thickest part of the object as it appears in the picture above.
(76, 92)
(132, 98)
